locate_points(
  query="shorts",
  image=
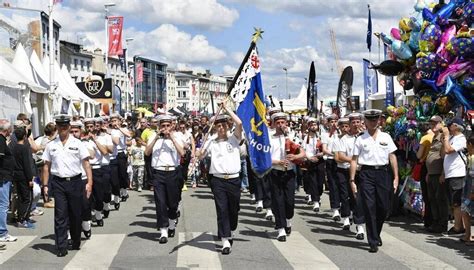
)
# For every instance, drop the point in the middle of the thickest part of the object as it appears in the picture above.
(455, 185)
(467, 205)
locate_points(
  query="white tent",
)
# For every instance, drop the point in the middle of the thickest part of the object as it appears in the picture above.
(40, 76)
(295, 105)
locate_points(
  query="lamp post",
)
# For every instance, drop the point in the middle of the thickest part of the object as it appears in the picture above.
(106, 8)
(286, 76)
(127, 85)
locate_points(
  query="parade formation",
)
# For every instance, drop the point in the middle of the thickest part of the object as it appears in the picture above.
(356, 164)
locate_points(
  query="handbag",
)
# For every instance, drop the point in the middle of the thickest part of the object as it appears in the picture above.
(416, 171)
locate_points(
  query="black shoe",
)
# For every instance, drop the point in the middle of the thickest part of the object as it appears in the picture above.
(231, 241)
(346, 227)
(106, 213)
(171, 233)
(163, 240)
(288, 230)
(373, 249)
(87, 234)
(117, 206)
(61, 253)
(178, 213)
(100, 223)
(75, 246)
(177, 220)
(282, 238)
(124, 198)
(380, 243)
(316, 209)
(69, 242)
(226, 251)
(259, 209)
(453, 231)
(360, 236)
(337, 218)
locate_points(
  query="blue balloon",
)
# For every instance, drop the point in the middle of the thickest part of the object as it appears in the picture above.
(401, 50)
(457, 91)
(432, 84)
(442, 16)
(427, 15)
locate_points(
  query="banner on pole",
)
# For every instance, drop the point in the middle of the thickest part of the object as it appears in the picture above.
(139, 75)
(370, 81)
(115, 25)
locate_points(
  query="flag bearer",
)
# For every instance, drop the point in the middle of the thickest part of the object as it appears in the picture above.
(225, 170)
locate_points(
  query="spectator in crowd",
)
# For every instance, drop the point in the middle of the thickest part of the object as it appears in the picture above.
(467, 205)
(454, 165)
(23, 178)
(7, 163)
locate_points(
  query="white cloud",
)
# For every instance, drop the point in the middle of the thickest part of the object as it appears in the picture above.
(206, 14)
(229, 70)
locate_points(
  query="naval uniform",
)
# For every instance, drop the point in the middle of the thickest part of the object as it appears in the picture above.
(99, 187)
(122, 162)
(106, 173)
(282, 185)
(66, 168)
(164, 162)
(375, 184)
(331, 171)
(313, 178)
(226, 182)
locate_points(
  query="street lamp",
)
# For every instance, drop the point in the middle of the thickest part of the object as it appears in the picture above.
(286, 73)
(106, 8)
(127, 40)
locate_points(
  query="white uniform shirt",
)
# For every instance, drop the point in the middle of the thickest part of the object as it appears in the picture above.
(278, 152)
(311, 147)
(374, 153)
(225, 156)
(97, 160)
(106, 140)
(121, 146)
(329, 141)
(453, 164)
(66, 160)
(345, 145)
(164, 152)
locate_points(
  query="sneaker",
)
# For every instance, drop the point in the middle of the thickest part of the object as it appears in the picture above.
(36, 212)
(49, 204)
(316, 207)
(185, 188)
(139, 189)
(8, 238)
(194, 185)
(360, 232)
(346, 224)
(336, 216)
(25, 225)
(269, 215)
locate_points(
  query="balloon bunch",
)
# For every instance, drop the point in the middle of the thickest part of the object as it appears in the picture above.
(434, 49)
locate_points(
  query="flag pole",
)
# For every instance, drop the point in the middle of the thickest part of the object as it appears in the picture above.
(255, 37)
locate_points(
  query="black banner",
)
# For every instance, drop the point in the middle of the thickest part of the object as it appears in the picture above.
(311, 93)
(97, 88)
(344, 90)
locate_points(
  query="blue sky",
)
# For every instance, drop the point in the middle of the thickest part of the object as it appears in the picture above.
(214, 34)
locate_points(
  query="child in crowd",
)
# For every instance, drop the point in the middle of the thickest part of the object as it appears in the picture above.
(467, 206)
(137, 153)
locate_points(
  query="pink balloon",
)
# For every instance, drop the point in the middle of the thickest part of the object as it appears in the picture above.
(454, 70)
(448, 34)
(395, 33)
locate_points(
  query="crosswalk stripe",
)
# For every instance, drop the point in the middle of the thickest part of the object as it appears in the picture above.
(97, 252)
(410, 256)
(197, 250)
(14, 247)
(301, 254)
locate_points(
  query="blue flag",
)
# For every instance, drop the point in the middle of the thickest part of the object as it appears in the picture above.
(369, 31)
(370, 81)
(389, 94)
(250, 106)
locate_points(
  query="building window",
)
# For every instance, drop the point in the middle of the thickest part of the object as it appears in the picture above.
(88, 66)
(75, 63)
(82, 65)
